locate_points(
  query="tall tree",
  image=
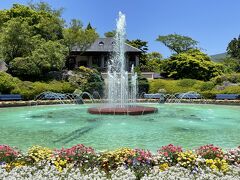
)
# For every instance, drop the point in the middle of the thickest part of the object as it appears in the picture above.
(110, 33)
(15, 39)
(178, 43)
(44, 20)
(89, 26)
(76, 36)
(233, 48)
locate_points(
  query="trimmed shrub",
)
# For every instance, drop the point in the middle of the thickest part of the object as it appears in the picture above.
(186, 82)
(87, 79)
(206, 86)
(29, 89)
(7, 83)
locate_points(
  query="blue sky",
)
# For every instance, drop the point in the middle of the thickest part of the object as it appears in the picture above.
(211, 22)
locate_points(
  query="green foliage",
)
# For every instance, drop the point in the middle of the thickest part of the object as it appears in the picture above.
(15, 39)
(88, 80)
(143, 46)
(153, 62)
(48, 56)
(44, 20)
(7, 83)
(110, 33)
(206, 89)
(24, 67)
(192, 64)
(178, 43)
(76, 35)
(233, 48)
(231, 90)
(12, 85)
(143, 85)
(89, 26)
(186, 82)
(31, 89)
(138, 43)
(30, 39)
(233, 78)
(173, 86)
(206, 86)
(231, 64)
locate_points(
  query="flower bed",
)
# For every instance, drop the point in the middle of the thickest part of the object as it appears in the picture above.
(81, 162)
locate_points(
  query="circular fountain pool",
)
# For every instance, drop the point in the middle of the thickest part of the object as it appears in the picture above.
(56, 126)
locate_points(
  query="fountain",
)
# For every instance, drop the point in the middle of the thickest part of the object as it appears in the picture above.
(122, 89)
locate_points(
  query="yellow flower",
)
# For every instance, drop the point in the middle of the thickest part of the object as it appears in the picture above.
(217, 164)
(186, 159)
(164, 166)
(38, 153)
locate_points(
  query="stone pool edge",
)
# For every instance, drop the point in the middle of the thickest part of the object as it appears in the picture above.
(52, 102)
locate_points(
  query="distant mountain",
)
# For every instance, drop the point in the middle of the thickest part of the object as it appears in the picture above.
(218, 57)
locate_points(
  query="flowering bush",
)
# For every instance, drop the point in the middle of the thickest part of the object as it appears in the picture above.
(233, 156)
(187, 159)
(81, 162)
(217, 164)
(113, 159)
(169, 153)
(38, 153)
(7, 154)
(79, 155)
(141, 162)
(210, 152)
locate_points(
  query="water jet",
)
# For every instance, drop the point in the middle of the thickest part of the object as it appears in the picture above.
(122, 86)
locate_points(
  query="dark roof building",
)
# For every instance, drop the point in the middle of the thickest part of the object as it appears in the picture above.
(106, 45)
(98, 54)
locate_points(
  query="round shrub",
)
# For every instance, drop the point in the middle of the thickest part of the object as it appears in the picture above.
(186, 82)
(206, 86)
(7, 83)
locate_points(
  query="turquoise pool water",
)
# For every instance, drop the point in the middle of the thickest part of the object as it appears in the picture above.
(66, 125)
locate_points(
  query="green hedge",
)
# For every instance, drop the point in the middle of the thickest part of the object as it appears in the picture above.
(31, 89)
(11, 85)
(207, 89)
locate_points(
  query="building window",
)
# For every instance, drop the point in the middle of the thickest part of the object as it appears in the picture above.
(101, 43)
